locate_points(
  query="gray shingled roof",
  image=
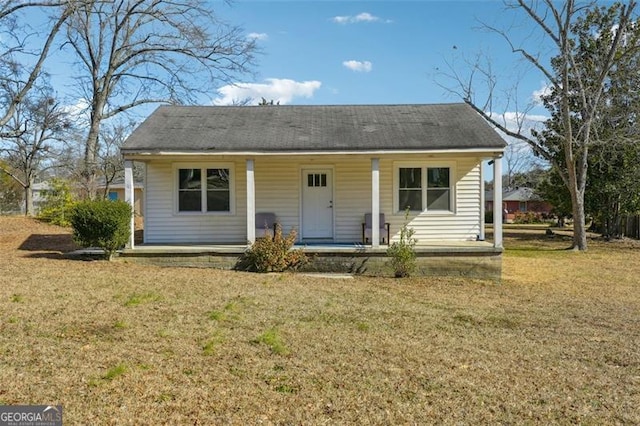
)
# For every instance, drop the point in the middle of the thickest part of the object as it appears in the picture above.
(293, 128)
(517, 194)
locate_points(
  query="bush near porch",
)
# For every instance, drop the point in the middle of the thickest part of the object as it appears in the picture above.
(556, 342)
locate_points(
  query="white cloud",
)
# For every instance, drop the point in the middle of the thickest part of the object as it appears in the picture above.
(360, 17)
(79, 111)
(359, 66)
(519, 122)
(281, 90)
(258, 36)
(365, 17)
(537, 95)
(341, 19)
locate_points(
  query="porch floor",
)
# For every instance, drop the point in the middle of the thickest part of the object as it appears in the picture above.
(435, 247)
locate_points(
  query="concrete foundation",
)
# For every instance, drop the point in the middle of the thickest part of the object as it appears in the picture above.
(476, 262)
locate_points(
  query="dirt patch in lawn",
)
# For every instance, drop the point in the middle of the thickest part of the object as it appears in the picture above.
(556, 342)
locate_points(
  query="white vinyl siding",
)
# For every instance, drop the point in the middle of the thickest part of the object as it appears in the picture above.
(164, 224)
(278, 190)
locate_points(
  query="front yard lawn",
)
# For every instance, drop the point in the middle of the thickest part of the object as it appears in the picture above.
(118, 343)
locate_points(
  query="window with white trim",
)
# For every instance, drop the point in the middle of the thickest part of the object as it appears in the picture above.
(424, 188)
(204, 190)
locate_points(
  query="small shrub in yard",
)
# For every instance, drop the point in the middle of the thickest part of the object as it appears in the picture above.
(101, 223)
(402, 253)
(57, 206)
(524, 218)
(273, 254)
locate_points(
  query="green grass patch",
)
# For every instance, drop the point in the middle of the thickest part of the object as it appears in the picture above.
(111, 374)
(141, 298)
(115, 371)
(217, 315)
(210, 347)
(228, 312)
(273, 340)
(17, 298)
(362, 326)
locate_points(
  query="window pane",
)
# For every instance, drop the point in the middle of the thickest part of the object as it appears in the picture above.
(438, 199)
(189, 201)
(438, 177)
(217, 179)
(189, 179)
(324, 179)
(410, 178)
(410, 198)
(218, 201)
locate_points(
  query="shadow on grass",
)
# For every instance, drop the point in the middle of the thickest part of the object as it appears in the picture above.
(52, 246)
(60, 243)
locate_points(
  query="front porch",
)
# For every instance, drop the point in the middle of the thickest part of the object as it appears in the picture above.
(476, 259)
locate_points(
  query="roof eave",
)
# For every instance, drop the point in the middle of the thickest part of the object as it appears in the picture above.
(146, 153)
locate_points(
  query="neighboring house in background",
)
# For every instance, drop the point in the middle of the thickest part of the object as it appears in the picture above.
(116, 192)
(320, 169)
(520, 199)
(38, 189)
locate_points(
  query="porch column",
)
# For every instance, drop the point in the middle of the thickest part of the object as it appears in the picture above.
(129, 198)
(251, 204)
(375, 202)
(482, 202)
(497, 202)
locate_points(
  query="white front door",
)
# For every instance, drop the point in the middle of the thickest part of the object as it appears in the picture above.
(317, 203)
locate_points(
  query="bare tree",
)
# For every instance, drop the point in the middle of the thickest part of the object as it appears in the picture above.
(517, 159)
(33, 130)
(135, 52)
(110, 162)
(576, 82)
(17, 79)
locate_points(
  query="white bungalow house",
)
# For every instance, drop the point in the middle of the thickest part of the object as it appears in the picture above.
(319, 169)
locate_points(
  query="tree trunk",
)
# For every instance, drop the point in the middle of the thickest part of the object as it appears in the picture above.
(28, 200)
(576, 189)
(90, 172)
(577, 203)
(579, 225)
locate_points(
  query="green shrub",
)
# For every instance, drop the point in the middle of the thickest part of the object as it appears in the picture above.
(273, 254)
(402, 253)
(58, 203)
(101, 223)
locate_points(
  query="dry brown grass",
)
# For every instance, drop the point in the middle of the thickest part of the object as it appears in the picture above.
(118, 343)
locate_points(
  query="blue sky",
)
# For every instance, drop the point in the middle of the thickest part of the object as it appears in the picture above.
(372, 52)
(363, 52)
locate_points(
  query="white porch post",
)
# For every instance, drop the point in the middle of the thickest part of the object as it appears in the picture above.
(129, 198)
(497, 202)
(375, 202)
(482, 202)
(251, 203)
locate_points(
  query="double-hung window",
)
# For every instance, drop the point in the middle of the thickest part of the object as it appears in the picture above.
(424, 188)
(204, 190)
